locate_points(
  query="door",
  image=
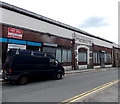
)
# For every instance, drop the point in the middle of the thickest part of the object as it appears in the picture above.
(102, 61)
(41, 66)
(53, 67)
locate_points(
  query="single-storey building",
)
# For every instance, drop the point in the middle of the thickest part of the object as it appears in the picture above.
(72, 47)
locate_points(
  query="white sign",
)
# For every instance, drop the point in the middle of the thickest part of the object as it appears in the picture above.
(83, 40)
(16, 46)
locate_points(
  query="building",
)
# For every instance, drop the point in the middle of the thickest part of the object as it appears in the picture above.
(116, 55)
(72, 47)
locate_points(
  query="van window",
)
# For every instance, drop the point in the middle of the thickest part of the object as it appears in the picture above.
(53, 62)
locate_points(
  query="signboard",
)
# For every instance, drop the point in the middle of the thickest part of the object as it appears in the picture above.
(15, 33)
(16, 46)
(49, 44)
(83, 40)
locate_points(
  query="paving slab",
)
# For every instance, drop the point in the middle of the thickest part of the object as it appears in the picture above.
(109, 94)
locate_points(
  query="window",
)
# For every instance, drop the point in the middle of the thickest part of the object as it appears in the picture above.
(58, 54)
(82, 55)
(108, 57)
(64, 55)
(49, 50)
(96, 57)
(69, 56)
(53, 62)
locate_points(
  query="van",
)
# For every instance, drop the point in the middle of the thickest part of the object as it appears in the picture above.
(22, 65)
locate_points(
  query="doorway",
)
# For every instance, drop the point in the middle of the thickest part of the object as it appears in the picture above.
(102, 60)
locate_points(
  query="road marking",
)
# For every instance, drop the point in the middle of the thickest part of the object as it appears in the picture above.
(3, 82)
(80, 96)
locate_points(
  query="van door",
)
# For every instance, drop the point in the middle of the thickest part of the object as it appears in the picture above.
(41, 66)
(53, 66)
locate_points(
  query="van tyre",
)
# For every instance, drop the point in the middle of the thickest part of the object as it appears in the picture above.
(58, 76)
(23, 80)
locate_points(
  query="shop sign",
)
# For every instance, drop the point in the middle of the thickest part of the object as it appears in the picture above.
(49, 44)
(16, 46)
(15, 33)
(83, 40)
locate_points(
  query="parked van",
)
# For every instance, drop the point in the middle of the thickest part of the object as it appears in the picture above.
(22, 65)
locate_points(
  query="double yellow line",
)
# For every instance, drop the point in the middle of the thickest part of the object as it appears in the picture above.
(78, 97)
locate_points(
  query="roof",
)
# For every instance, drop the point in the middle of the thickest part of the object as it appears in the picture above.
(46, 19)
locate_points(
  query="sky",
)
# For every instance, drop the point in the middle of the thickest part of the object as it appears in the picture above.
(97, 17)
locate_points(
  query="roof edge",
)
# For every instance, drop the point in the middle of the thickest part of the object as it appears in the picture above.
(46, 19)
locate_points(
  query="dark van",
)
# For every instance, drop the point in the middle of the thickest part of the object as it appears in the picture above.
(23, 65)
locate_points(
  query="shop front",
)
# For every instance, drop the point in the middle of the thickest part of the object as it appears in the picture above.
(83, 52)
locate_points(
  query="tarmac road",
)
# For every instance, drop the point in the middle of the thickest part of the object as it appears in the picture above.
(57, 90)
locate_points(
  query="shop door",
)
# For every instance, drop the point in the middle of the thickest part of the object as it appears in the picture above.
(102, 61)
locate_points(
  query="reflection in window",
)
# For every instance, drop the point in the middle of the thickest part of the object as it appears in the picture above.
(69, 56)
(82, 55)
(96, 57)
(64, 55)
(107, 57)
(58, 54)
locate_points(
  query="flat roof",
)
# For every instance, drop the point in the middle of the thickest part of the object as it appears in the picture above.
(46, 19)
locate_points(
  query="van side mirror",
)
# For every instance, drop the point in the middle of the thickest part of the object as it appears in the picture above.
(56, 62)
(53, 62)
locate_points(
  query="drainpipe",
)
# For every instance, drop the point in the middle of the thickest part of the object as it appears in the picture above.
(74, 60)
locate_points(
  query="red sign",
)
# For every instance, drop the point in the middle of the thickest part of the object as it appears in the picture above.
(15, 33)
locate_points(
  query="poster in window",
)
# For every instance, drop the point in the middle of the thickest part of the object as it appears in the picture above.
(15, 33)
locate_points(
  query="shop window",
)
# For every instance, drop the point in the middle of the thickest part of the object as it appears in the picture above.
(49, 50)
(96, 57)
(82, 55)
(58, 55)
(4, 51)
(64, 55)
(69, 56)
(107, 57)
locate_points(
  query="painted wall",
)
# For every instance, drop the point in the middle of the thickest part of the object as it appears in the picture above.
(9, 17)
(96, 41)
(13, 18)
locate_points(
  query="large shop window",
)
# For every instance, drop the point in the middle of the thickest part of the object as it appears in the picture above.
(63, 55)
(82, 55)
(4, 51)
(96, 57)
(49, 50)
(107, 57)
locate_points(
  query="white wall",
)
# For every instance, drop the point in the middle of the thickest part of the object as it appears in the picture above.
(97, 41)
(13, 18)
(115, 45)
(0, 14)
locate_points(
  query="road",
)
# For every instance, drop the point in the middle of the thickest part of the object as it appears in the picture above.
(57, 90)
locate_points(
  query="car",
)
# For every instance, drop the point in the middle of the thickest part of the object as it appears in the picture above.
(22, 65)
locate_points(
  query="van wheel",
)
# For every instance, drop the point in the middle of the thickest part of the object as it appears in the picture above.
(23, 80)
(58, 76)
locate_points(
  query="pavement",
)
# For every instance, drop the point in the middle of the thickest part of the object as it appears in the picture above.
(109, 94)
(88, 70)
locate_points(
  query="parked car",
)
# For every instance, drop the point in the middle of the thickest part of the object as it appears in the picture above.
(22, 65)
